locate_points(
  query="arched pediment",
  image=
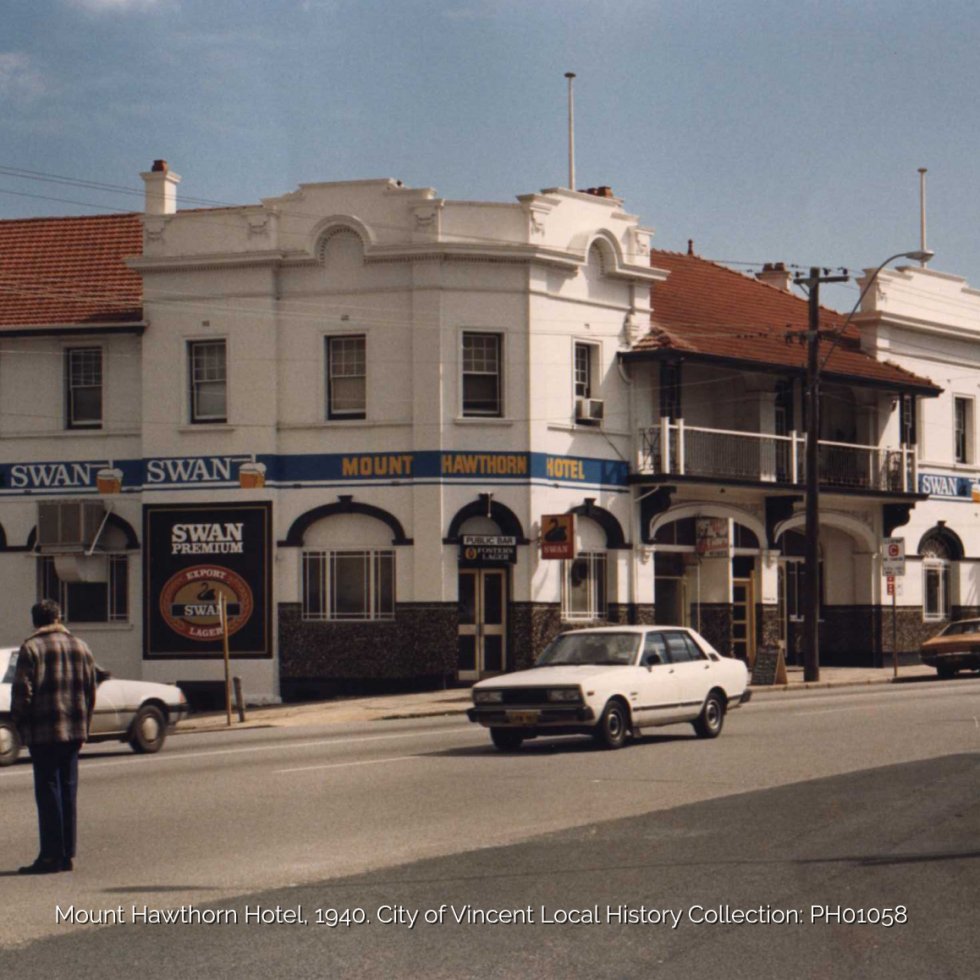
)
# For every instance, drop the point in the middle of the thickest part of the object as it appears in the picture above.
(681, 511)
(851, 526)
(949, 540)
(615, 539)
(508, 522)
(344, 505)
(339, 224)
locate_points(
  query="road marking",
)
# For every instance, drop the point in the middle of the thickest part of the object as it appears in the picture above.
(343, 765)
(278, 746)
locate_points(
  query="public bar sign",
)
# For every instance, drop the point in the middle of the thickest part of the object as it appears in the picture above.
(892, 556)
(487, 549)
(193, 558)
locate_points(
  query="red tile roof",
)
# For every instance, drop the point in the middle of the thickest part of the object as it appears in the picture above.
(57, 271)
(710, 311)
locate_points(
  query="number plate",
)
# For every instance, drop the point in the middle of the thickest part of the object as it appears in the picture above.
(523, 717)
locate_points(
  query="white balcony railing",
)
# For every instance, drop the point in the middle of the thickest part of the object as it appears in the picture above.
(676, 449)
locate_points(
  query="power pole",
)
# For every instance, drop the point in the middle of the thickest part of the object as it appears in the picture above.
(811, 553)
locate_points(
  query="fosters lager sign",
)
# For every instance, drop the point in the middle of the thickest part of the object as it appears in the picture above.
(197, 559)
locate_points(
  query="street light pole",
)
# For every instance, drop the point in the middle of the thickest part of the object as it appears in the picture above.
(811, 553)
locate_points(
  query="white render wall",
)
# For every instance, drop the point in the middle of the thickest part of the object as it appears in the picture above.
(929, 322)
(411, 273)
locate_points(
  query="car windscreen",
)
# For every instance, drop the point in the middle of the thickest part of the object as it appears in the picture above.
(964, 626)
(590, 648)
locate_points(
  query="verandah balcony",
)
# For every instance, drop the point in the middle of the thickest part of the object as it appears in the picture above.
(676, 449)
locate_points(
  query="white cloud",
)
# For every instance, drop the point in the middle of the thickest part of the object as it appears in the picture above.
(19, 79)
(110, 6)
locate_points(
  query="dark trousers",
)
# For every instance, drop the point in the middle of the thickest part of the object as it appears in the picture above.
(55, 791)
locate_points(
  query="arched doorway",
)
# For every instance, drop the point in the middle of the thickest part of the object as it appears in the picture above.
(706, 576)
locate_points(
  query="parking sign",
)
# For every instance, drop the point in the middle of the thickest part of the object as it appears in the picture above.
(893, 556)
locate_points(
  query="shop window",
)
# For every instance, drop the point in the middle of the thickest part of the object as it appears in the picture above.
(88, 602)
(351, 586)
(208, 373)
(482, 375)
(83, 388)
(346, 377)
(584, 588)
(935, 590)
(937, 556)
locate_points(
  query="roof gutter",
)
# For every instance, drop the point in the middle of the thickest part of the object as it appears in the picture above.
(926, 389)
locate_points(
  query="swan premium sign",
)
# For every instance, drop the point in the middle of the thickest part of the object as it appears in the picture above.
(196, 559)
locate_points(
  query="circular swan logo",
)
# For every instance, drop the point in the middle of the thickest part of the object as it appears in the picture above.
(190, 602)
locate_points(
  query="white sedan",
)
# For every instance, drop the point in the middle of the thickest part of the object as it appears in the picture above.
(138, 712)
(609, 682)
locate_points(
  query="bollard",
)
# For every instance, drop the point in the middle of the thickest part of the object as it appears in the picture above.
(239, 700)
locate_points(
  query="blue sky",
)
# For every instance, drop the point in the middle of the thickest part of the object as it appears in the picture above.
(765, 131)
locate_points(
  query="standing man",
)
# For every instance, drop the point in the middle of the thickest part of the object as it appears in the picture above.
(52, 701)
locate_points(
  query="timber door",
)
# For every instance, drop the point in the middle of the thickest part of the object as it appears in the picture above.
(482, 642)
(743, 620)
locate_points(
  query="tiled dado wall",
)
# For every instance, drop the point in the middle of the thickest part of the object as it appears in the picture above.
(416, 650)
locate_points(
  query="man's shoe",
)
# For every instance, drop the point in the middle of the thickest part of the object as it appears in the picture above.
(67, 865)
(42, 866)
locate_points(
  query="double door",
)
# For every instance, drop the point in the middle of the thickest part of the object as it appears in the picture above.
(482, 641)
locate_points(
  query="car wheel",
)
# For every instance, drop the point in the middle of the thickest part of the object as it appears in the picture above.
(9, 743)
(149, 729)
(946, 672)
(613, 727)
(506, 739)
(709, 723)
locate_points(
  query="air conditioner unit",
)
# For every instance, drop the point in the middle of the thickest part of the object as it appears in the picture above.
(588, 410)
(68, 525)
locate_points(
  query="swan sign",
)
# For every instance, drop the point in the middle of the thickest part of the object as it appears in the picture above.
(196, 561)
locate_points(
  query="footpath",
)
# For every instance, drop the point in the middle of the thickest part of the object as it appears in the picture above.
(456, 700)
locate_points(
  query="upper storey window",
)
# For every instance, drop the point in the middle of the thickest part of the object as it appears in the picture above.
(482, 375)
(83, 387)
(346, 377)
(208, 372)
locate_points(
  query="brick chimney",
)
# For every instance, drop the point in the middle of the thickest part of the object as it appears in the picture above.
(161, 189)
(776, 274)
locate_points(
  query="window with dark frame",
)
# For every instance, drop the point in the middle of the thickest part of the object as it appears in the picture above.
(482, 388)
(346, 377)
(83, 388)
(88, 602)
(670, 390)
(962, 430)
(583, 370)
(207, 368)
(907, 420)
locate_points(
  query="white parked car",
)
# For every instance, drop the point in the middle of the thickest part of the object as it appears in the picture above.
(609, 682)
(138, 712)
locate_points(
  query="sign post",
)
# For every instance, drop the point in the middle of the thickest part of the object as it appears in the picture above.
(223, 613)
(893, 565)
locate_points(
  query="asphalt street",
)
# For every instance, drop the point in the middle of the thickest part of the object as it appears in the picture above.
(859, 799)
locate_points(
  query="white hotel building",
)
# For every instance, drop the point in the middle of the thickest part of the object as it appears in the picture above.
(345, 410)
(353, 413)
